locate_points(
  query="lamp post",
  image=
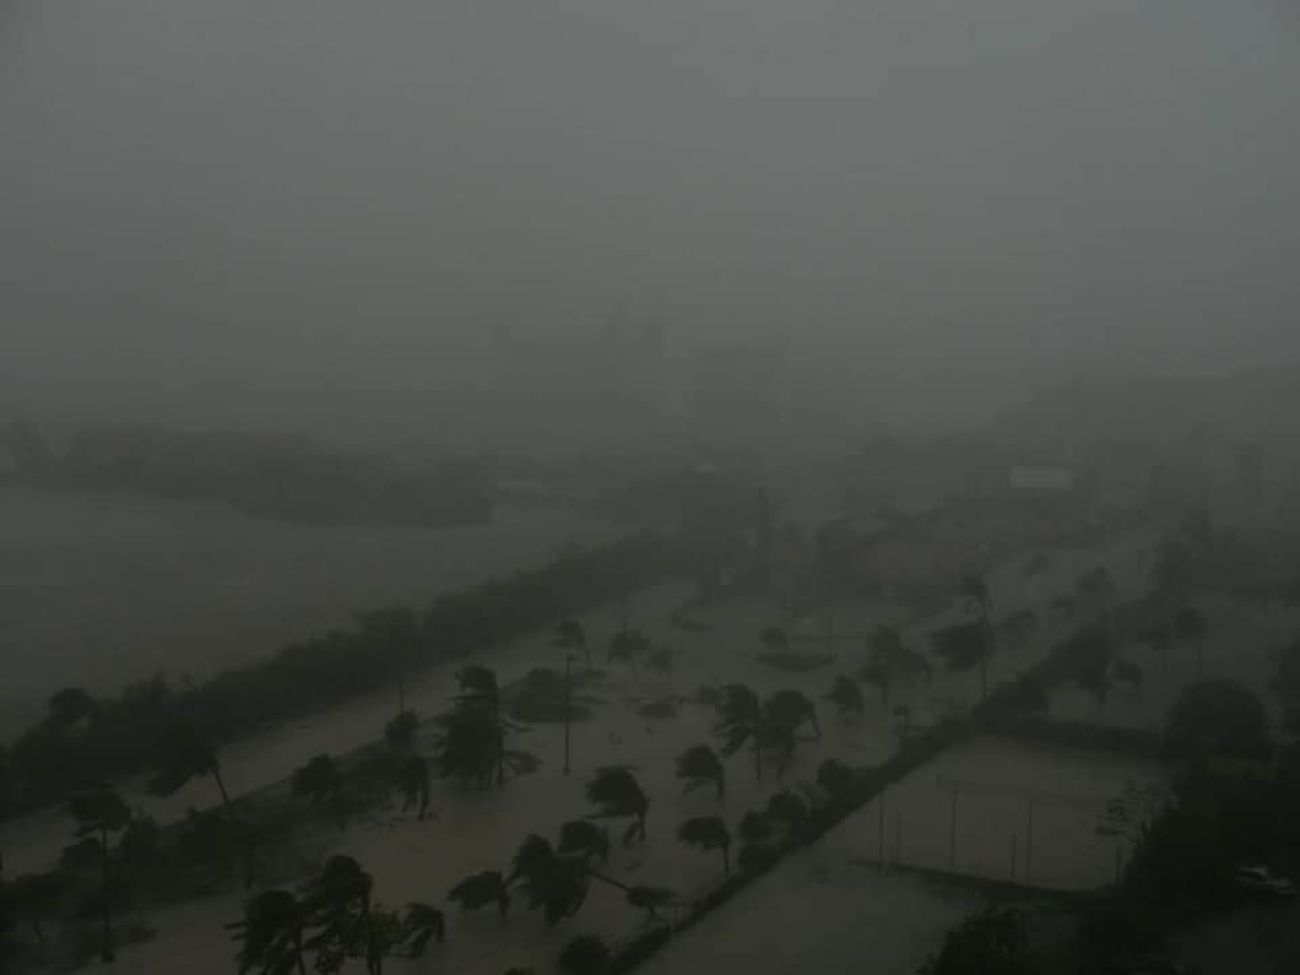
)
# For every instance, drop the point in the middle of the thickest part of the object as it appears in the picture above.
(568, 710)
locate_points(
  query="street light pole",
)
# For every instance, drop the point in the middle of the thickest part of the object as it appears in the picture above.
(568, 697)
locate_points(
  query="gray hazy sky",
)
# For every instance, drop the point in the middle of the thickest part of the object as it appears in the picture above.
(224, 209)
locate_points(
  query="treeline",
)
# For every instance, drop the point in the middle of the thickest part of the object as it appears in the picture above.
(284, 478)
(82, 740)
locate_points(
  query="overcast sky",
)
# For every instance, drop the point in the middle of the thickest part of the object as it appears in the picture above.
(222, 209)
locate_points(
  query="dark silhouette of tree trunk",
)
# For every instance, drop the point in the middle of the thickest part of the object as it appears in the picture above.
(106, 952)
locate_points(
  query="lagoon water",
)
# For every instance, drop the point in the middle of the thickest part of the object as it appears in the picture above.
(99, 591)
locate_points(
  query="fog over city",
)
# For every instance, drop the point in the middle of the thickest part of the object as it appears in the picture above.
(317, 216)
(588, 487)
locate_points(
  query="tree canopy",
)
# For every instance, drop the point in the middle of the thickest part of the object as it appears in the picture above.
(1217, 717)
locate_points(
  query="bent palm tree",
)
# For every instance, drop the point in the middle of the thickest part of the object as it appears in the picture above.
(99, 811)
(699, 765)
(584, 839)
(271, 934)
(192, 756)
(616, 793)
(318, 781)
(412, 779)
(554, 883)
(478, 688)
(337, 901)
(423, 923)
(481, 889)
(740, 720)
(785, 713)
(708, 833)
(627, 646)
(966, 645)
(321, 783)
(400, 731)
(846, 695)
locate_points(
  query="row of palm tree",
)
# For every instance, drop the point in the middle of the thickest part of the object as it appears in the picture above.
(332, 918)
(744, 719)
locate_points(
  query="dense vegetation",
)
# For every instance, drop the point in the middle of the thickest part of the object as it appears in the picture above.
(82, 739)
(1235, 802)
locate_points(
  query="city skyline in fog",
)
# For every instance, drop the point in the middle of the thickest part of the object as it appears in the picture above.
(321, 218)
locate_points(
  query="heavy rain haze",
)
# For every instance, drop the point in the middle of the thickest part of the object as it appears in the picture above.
(318, 216)
(605, 488)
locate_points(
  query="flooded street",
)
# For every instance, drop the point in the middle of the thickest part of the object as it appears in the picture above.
(471, 831)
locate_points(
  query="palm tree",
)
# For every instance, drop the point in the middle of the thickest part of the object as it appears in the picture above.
(337, 901)
(585, 955)
(846, 695)
(627, 645)
(481, 889)
(554, 883)
(571, 635)
(319, 782)
(192, 756)
(708, 833)
(271, 934)
(467, 748)
(423, 923)
(400, 730)
(616, 793)
(784, 714)
(699, 765)
(380, 935)
(99, 810)
(891, 661)
(584, 839)
(740, 720)
(1091, 651)
(478, 688)
(412, 780)
(966, 645)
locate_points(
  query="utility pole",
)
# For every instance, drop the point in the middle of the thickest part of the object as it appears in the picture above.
(568, 709)
(952, 833)
(880, 808)
(1029, 839)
